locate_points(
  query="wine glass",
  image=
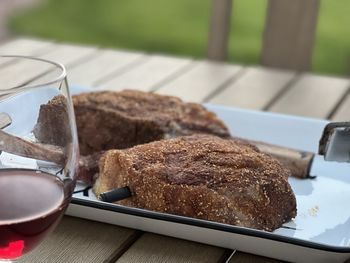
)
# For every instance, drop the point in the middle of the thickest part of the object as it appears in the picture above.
(39, 151)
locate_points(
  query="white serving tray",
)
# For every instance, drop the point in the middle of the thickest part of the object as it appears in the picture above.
(319, 233)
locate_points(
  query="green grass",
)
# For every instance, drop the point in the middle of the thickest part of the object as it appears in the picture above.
(332, 50)
(179, 27)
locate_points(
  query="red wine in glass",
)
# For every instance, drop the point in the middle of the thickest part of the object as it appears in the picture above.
(31, 202)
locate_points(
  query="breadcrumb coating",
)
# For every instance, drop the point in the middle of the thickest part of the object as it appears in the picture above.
(205, 177)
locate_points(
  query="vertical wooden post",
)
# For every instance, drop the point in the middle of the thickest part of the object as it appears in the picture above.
(289, 33)
(219, 29)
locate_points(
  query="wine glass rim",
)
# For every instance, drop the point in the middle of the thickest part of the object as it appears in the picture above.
(60, 77)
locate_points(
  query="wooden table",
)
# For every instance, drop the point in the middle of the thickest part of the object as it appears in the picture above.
(289, 92)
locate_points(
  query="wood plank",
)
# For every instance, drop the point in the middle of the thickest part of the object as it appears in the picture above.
(312, 96)
(201, 81)
(65, 54)
(69, 54)
(107, 62)
(157, 248)
(249, 258)
(255, 88)
(343, 112)
(219, 29)
(147, 75)
(289, 33)
(24, 46)
(28, 70)
(79, 241)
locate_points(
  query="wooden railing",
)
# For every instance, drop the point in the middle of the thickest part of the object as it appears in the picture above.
(288, 37)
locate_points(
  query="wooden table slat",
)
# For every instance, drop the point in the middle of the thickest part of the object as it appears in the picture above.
(77, 241)
(157, 248)
(24, 46)
(312, 96)
(343, 112)
(68, 54)
(147, 75)
(200, 81)
(108, 62)
(255, 88)
(242, 257)
(64, 54)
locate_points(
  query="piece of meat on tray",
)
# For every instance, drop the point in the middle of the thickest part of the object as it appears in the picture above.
(108, 120)
(204, 177)
(117, 120)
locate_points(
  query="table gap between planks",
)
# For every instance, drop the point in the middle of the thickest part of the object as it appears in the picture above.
(258, 88)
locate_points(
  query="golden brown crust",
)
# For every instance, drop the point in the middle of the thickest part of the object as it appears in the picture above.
(205, 177)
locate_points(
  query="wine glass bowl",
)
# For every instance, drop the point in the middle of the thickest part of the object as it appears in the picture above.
(39, 151)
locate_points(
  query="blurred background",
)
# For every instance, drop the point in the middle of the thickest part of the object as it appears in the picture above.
(172, 27)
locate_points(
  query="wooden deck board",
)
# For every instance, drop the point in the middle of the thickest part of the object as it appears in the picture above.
(343, 112)
(79, 241)
(106, 63)
(146, 75)
(24, 46)
(254, 89)
(200, 81)
(312, 96)
(241, 257)
(85, 72)
(157, 248)
(68, 54)
(64, 54)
